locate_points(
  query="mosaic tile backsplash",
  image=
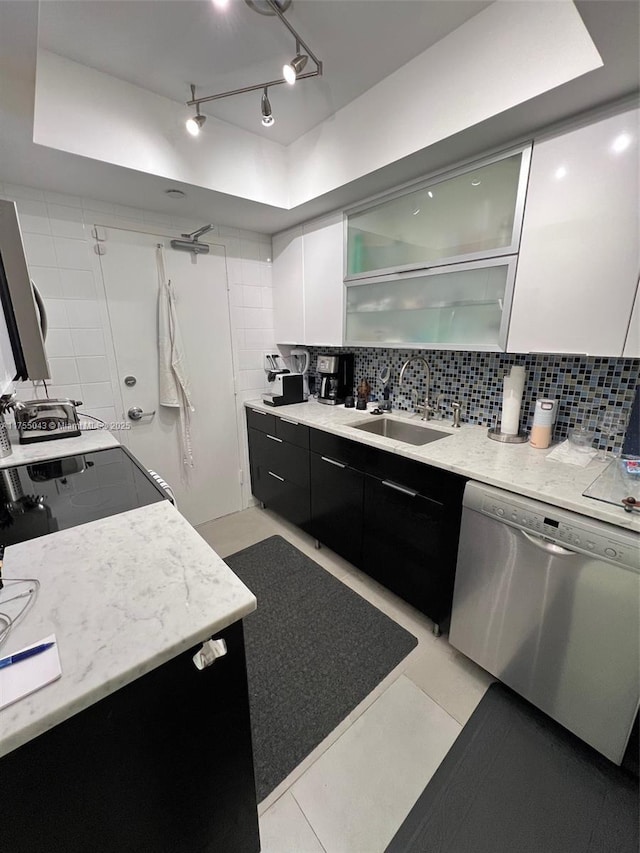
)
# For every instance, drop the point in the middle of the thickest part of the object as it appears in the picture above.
(585, 387)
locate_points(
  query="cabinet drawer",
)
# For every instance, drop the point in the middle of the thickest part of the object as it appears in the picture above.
(430, 482)
(270, 453)
(293, 432)
(285, 497)
(341, 449)
(264, 421)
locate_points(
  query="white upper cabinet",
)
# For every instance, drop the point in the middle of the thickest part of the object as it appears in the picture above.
(323, 248)
(288, 295)
(579, 254)
(307, 281)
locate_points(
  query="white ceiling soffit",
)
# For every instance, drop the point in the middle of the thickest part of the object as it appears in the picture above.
(613, 25)
(165, 46)
(504, 56)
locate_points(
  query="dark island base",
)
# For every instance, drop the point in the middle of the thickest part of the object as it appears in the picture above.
(163, 764)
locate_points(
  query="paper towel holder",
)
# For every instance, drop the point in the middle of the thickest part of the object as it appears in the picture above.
(496, 435)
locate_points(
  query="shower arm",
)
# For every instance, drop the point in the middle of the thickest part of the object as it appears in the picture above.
(195, 234)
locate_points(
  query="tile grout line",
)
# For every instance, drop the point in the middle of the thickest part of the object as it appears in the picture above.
(303, 813)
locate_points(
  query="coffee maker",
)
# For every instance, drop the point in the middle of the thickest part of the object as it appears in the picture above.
(336, 378)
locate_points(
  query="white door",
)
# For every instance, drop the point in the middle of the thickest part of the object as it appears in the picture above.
(212, 487)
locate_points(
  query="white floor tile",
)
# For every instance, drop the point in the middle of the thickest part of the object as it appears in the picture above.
(358, 793)
(449, 678)
(284, 829)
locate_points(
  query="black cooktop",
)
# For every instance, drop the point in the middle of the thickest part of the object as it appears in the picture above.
(48, 496)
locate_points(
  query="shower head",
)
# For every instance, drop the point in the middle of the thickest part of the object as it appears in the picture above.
(190, 242)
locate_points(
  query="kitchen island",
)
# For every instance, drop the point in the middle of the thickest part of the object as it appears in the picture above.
(133, 748)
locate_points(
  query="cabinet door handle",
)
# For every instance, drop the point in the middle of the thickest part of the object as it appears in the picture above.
(333, 462)
(209, 653)
(287, 421)
(273, 438)
(271, 474)
(258, 412)
(405, 491)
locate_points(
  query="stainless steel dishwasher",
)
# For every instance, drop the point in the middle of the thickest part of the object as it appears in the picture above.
(548, 601)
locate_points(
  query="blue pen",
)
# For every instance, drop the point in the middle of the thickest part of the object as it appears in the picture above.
(27, 653)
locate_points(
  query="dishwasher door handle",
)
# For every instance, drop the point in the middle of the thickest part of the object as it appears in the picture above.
(549, 547)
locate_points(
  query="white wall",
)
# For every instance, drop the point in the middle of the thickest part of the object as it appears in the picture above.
(83, 111)
(62, 261)
(503, 56)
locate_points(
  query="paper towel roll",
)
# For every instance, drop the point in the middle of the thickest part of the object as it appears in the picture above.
(518, 376)
(510, 422)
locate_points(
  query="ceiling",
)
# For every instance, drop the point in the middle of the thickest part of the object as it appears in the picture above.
(612, 24)
(165, 46)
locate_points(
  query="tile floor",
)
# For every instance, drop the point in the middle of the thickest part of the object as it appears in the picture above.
(354, 790)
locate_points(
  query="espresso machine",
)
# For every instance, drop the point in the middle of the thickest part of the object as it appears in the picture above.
(336, 378)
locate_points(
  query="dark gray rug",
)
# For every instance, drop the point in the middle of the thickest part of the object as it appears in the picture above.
(315, 649)
(515, 780)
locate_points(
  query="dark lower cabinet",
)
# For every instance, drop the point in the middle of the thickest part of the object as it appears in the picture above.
(395, 518)
(405, 546)
(164, 764)
(280, 476)
(336, 506)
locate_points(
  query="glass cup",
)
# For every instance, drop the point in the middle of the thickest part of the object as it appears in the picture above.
(610, 425)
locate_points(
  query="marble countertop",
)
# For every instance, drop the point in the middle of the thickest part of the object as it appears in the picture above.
(122, 594)
(88, 441)
(518, 468)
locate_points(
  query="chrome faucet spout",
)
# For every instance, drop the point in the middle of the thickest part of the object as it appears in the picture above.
(426, 408)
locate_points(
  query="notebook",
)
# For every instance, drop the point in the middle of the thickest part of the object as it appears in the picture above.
(25, 677)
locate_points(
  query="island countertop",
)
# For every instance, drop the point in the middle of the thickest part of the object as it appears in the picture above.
(518, 468)
(122, 594)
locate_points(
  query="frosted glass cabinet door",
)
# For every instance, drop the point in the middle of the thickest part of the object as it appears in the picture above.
(465, 306)
(473, 213)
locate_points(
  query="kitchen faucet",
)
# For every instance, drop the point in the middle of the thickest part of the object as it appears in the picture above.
(426, 408)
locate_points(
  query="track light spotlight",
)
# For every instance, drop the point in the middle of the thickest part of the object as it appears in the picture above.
(194, 125)
(265, 108)
(292, 69)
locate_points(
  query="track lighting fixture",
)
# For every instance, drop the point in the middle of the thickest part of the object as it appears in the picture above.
(291, 72)
(265, 107)
(194, 125)
(292, 69)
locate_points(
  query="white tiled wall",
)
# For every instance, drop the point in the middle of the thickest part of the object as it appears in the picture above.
(62, 262)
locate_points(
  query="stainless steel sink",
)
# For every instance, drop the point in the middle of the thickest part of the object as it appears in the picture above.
(400, 431)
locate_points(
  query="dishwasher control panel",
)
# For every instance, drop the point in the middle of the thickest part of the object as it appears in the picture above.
(556, 529)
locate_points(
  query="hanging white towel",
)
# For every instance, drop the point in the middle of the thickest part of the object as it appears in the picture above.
(174, 382)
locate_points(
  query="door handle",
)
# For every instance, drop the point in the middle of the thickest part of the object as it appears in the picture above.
(258, 412)
(549, 547)
(273, 438)
(333, 462)
(287, 421)
(135, 413)
(405, 491)
(271, 474)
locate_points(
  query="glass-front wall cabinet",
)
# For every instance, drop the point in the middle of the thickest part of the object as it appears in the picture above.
(435, 263)
(475, 213)
(462, 306)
